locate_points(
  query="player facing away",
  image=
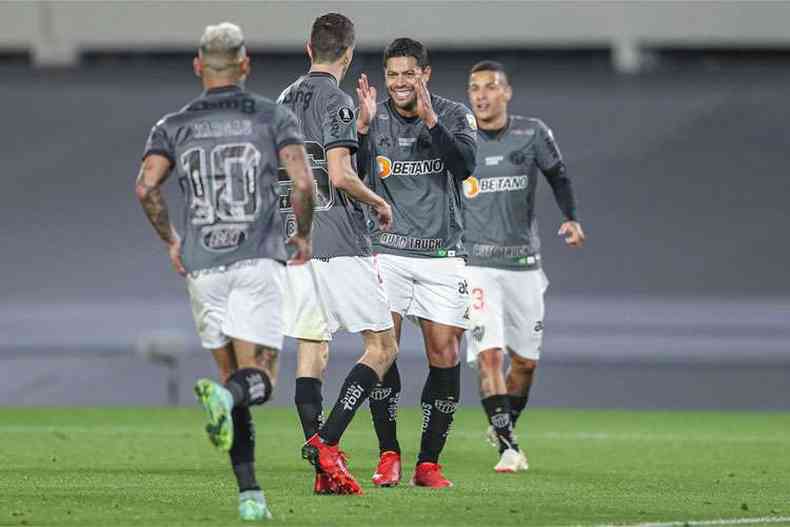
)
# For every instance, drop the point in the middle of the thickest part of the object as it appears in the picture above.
(340, 287)
(418, 148)
(224, 148)
(504, 271)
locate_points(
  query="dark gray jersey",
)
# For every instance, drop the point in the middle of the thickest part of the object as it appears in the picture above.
(224, 148)
(408, 170)
(499, 200)
(327, 120)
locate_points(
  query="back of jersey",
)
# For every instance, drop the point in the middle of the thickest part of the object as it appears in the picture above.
(326, 117)
(224, 147)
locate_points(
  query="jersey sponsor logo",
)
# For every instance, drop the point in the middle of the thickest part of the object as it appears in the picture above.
(223, 238)
(425, 167)
(492, 161)
(473, 186)
(345, 114)
(406, 142)
(216, 129)
(399, 241)
(243, 104)
(505, 251)
(528, 132)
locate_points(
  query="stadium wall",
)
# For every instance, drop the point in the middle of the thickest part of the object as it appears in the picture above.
(55, 33)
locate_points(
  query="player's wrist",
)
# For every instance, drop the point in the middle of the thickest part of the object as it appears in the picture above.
(431, 120)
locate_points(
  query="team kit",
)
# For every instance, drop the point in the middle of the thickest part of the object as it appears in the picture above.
(320, 212)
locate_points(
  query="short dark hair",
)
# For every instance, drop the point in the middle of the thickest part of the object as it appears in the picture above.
(406, 47)
(331, 36)
(490, 65)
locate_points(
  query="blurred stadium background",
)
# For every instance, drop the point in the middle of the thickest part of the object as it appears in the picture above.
(672, 117)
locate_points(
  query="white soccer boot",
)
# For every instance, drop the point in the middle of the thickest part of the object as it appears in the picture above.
(512, 461)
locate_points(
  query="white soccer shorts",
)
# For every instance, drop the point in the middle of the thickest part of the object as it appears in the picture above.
(241, 301)
(430, 288)
(340, 293)
(507, 311)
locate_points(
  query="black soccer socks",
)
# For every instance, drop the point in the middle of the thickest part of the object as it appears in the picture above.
(249, 387)
(361, 379)
(517, 404)
(497, 408)
(309, 404)
(384, 401)
(242, 453)
(439, 402)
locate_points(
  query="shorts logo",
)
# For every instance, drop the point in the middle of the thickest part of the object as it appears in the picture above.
(345, 114)
(380, 393)
(445, 406)
(471, 187)
(479, 332)
(427, 167)
(463, 287)
(538, 326)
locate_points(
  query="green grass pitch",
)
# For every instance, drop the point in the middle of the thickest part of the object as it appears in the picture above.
(155, 467)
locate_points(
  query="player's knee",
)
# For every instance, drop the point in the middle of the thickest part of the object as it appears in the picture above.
(490, 360)
(523, 366)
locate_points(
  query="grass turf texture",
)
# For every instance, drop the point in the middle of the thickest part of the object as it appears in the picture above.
(155, 467)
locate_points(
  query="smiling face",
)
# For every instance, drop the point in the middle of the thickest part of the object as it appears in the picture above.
(401, 75)
(489, 95)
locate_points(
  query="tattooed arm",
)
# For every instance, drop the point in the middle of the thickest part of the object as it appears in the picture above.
(154, 172)
(294, 159)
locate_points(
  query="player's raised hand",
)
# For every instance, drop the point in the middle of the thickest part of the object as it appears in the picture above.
(303, 250)
(383, 215)
(174, 251)
(366, 95)
(424, 105)
(572, 232)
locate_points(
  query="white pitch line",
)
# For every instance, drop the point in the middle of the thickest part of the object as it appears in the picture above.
(704, 523)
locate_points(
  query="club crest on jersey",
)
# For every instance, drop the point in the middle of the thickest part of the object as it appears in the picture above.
(345, 114)
(517, 157)
(426, 167)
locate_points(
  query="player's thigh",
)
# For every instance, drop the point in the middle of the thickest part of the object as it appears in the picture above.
(397, 279)
(486, 323)
(254, 313)
(524, 310)
(304, 315)
(441, 291)
(208, 294)
(353, 294)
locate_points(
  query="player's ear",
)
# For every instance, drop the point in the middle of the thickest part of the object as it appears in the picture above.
(508, 93)
(245, 67)
(308, 50)
(197, 67)
(426, 74)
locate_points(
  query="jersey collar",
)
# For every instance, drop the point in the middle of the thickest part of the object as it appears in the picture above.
(322, 74)
(224, 89)
(495, 135)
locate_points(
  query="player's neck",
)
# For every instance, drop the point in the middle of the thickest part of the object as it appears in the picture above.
(495, 124)
(213, 83)
(336, 70)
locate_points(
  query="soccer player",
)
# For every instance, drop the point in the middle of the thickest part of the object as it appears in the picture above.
(418, 148)
(224, 148)
(504, 268)
(339, 288)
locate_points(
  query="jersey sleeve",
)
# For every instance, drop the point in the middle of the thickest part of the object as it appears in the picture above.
(159, 143)
(463, 124)
(286, 128)
(548, 153)
(339, 123)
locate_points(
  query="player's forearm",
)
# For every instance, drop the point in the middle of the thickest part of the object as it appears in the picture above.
(155, 210)
(458, 154)
(562, 188)
(302, 202)
(349, 182)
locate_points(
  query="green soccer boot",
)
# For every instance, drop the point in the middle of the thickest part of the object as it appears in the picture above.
(218, 402)
(252, 506)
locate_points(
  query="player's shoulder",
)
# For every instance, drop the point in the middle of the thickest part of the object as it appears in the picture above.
(530, 126)
(443, 105)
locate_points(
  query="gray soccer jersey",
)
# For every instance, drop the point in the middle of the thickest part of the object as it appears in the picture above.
(408, 171)
(499, 199)
(327, 119)
(223, 147)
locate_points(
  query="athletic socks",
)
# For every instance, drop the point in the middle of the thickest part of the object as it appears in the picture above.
(517, 404)
(242, 453)
(497, 408)
(439, 402)
(249, 387)
(309, 403)
(360, 380)
(384, 409)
